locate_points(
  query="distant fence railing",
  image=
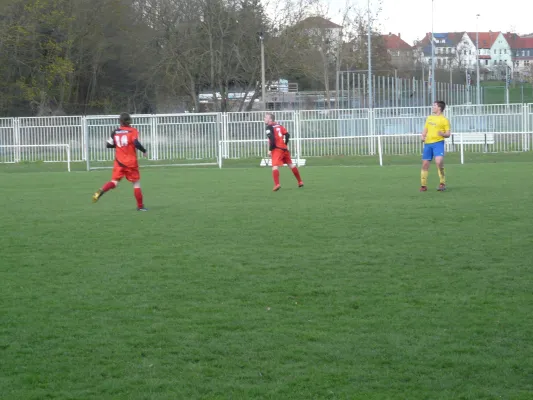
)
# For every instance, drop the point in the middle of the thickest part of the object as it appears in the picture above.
(210, 138)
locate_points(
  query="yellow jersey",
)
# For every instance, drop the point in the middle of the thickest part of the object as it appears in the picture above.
(434, 125)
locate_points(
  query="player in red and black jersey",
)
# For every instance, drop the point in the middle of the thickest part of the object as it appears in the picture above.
(125, 141)
(278, 138)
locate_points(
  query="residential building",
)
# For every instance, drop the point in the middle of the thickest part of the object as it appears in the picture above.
(445, 49)
(497, 51)
(321, 28)
(484, 41)
(401, 54)
(501, 57)
(465, 55)
(522, 54)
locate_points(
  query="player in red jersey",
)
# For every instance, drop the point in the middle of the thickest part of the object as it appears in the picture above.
(278, 138)
(125, 141)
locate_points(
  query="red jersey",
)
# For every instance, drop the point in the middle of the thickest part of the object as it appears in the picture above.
(278, 136)
(125, 141)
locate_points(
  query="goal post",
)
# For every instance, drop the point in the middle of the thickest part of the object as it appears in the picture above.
(48, 153)
(177, 140)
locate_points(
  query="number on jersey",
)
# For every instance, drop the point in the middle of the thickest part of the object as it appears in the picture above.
(121, 140)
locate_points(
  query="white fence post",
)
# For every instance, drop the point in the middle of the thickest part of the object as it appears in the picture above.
(16, 139)
(525, 125)
(371, 133)
(85, 134)
(219, 154)
(462, 149)
(297, 136)
(223, 117)
(154, 138)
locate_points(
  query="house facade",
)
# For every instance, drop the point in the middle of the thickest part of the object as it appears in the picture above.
(322, 29)
(484, 42)
(497, 52)
(501, 57)
(400, 53)
(465, 54)
(445, 49)
(523, 57)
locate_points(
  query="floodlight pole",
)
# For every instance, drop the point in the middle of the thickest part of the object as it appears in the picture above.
(477, 60)
(433, 85)
(263, 88)
(370, 94)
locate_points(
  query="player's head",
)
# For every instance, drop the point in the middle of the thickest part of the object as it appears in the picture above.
(125, 119)
(269, 118)
(438, 107)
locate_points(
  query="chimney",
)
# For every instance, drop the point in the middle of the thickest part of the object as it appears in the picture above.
(400, 35)
(390, 33)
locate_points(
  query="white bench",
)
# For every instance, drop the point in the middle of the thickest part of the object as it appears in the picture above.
(485, 138)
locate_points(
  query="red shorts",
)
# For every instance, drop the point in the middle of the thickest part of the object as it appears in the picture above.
(131, 174)
(280, 157)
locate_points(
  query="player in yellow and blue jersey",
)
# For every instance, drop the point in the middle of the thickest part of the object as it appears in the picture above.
(436, 130)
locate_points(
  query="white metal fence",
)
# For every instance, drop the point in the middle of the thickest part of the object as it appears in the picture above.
(211, 138)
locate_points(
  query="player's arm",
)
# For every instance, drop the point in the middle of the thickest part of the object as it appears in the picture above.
(286, 135)
(136, 142)
(446, 132)
(111, 142)
(271, 138)
(139, 146)
(425, 131)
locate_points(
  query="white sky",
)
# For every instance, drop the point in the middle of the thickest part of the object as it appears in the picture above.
(412, 18)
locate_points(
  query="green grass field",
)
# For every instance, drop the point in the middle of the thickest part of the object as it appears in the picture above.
(494, 92)
(356, 286)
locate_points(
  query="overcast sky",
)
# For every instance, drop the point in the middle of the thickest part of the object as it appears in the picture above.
(412, 18)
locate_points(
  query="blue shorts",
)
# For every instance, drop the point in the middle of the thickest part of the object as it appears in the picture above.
(433, 150)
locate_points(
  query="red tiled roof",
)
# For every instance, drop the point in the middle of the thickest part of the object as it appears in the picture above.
(516, 42)
(526, 43)
(395, 42)
(453, 37)
(486, 39)
(513, 39)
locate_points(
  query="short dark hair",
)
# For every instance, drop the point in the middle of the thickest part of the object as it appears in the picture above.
(441, 104)
(125, 119)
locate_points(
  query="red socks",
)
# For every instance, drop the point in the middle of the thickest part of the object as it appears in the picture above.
(296, 174)
(139, 197)
(137, 192)
(275, 175)
(108, 186)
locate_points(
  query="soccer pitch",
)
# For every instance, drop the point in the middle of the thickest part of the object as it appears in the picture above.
(356, 286)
